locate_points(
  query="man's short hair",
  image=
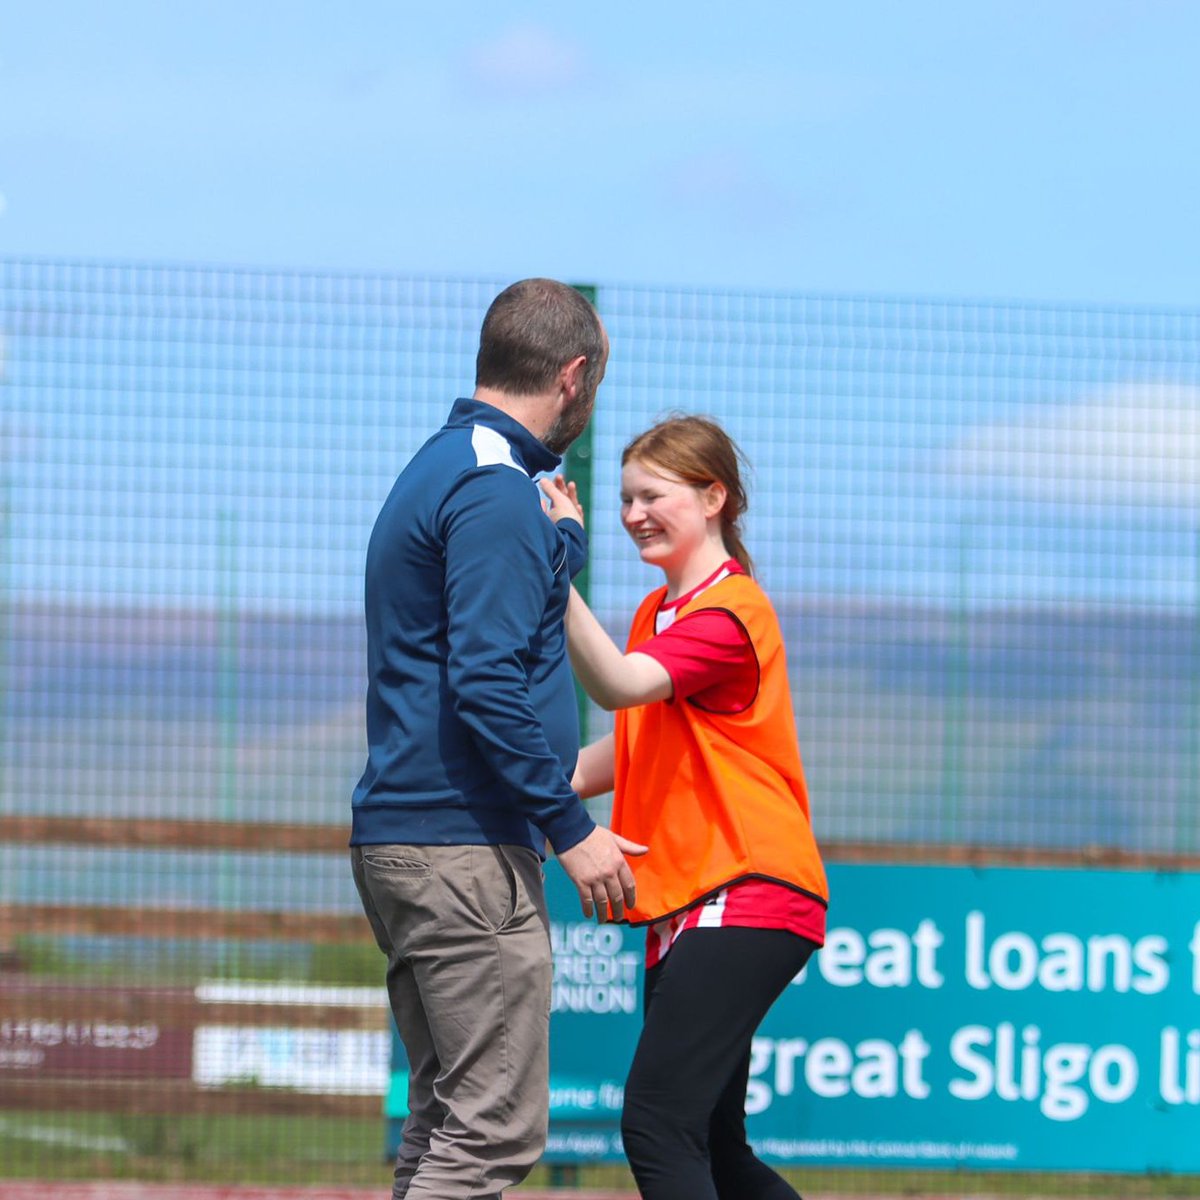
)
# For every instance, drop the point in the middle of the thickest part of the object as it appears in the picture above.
(530, 331)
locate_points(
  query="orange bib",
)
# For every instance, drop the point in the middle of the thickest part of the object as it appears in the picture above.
(717, 796)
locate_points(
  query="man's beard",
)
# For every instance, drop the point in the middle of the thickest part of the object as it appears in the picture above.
(568, 425)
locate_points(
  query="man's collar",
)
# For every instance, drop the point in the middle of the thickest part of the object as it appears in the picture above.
(532, 454)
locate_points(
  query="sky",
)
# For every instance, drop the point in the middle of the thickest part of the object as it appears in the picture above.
(1040, 154)
(1042, 151)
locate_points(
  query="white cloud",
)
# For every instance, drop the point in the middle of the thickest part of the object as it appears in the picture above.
(526, 61)
(729, 183)
(1135, 444)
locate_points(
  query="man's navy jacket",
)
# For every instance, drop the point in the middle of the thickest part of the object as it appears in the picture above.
(472, 725)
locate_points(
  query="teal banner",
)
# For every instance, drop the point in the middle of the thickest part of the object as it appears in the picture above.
(1033, 1019)
(595, 1018)
(957, 1017)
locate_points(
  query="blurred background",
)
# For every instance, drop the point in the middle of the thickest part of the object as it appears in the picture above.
(933, 267)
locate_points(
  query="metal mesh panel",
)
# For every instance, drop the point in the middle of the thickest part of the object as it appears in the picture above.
(977, 522)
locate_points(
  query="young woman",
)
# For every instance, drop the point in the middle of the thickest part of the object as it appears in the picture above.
(706, 771)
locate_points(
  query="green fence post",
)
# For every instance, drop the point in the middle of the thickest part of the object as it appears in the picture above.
(227, 715)
(1190, 841)
(11, 860)
(6, 524)
(955, 717)
(577, 466)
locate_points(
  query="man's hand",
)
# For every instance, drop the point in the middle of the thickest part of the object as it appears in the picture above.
(564, 499)
(597, 867)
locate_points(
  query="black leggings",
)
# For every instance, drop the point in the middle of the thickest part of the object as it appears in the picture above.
(684, 1121)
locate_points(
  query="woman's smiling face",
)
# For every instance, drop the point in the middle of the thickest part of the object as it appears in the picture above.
(666, 516)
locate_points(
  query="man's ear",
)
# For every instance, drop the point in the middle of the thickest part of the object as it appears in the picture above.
(571, 376)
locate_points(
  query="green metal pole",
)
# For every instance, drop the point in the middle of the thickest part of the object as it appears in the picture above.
(954, 723)
(6, 524)
(9, 883)
(227, 706)
(1191, 791)
(577, 466)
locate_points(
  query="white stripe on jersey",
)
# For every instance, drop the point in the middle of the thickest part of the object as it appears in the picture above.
(665, 617)
(492, 449)
(665, 932)
(712, 913)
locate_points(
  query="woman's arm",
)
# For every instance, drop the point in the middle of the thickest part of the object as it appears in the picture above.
(595, 771)
(612, 679)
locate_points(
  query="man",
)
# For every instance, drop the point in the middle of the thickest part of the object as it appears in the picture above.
(472, 734)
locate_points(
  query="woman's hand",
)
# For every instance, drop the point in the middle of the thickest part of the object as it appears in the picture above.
(564, 499)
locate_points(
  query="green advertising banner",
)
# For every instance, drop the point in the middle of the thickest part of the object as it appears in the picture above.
(958, 1017)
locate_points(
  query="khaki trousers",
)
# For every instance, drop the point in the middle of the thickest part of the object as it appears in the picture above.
(466, 936)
